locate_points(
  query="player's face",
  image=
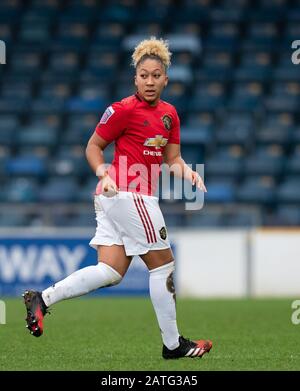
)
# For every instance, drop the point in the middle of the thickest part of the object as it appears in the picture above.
(150, 80)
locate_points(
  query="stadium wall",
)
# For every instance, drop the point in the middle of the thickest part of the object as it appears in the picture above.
(210, 263)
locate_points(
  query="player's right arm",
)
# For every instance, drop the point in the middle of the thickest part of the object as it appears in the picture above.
(112, 123)
(94, 155)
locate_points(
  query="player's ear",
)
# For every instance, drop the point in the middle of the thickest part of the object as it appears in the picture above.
(166, 81)
(135, 82)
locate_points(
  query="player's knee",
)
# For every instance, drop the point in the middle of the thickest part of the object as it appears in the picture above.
(164, 270)
(112, 276)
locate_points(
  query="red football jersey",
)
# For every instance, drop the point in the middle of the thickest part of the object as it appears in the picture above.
(140, 132)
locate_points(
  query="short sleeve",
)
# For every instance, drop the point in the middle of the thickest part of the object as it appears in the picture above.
(113, 122)
(174, 137)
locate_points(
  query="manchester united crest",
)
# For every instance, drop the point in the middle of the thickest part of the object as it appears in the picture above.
(163, 233)
(167, 120)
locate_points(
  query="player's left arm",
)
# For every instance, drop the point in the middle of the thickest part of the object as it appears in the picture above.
(172, 157)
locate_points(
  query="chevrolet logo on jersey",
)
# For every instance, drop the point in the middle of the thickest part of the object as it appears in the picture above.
(158, 141)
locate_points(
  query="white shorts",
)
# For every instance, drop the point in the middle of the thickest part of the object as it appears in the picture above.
(132, 220)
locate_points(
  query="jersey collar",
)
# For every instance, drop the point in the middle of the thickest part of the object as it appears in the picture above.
(146, 104)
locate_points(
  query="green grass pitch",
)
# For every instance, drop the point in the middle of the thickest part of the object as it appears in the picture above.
(111, 334)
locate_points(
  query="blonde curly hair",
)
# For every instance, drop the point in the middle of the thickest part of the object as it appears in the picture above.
(152, 48)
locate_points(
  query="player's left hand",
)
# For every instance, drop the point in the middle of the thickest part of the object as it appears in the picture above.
(197, 180)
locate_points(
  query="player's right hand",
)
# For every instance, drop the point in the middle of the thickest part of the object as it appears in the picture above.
(107, 187)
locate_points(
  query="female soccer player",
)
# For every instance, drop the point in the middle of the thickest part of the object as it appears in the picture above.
(146, 132)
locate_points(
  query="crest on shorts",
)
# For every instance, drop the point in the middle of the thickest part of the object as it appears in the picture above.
(163, 233)
(106, 115)
(167, 120)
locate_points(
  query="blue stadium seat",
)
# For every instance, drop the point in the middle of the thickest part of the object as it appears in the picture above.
(276, 128)
(267, 160)
(42, 9)
(86, 103)
(225, 162)
(8, 128)
(37, 33)
(177, 42)
(242, 219)
(10, 10)
(48, 121)
(218, 60)
(58, 189)
(37, 135)
(60, 218)
(213, 74)
(255, 66)
(284, 96)
(223, 34)
(204, 219)
(176, 94)
(17, 89)
(208, 96)
(246, 96)
(237, 128)
(40, 151)
(76, 135)
(56, 91)
(180, 73)
(77, 167)
(67, 151)
(192, 153)
(73, 34)
(84, 122)
(289, 191)
(83, 219)
(45, 105)
(293, 13)
(13, 105)
(292, 31)
(192, 12)
(102, 64)
(116, 12)
(153, 11)
(220, 190)
(285, 69)
(86, 192)
(201, 120)
(26, 165)
(64, 62)
(293, 162)
(13, 219)
(225, 13)
(110, 34)
(22, 190)
(288, 215)
(79, 11)
(123, 90)
(257, 190)
(189, 28)
(263, 32)
(6, 33)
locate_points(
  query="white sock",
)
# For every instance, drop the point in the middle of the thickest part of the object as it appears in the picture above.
(162, 294)
(81, 282)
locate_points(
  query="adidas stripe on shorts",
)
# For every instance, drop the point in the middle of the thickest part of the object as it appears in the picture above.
(132, 220)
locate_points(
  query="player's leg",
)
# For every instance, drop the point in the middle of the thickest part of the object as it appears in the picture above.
(161, 266)
(112, 265)
(115, 257)
(162, 293)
